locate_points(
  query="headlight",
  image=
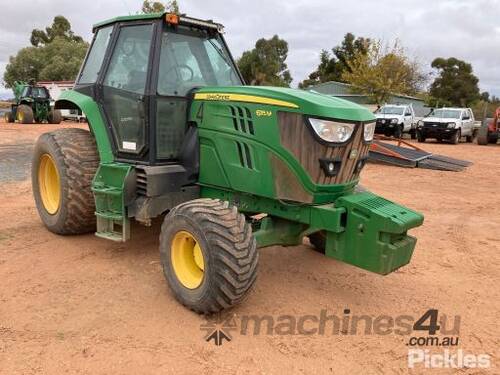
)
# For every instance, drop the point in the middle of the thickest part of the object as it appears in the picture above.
(330, 131)
(420, 123)
(394, 121)
(451, 125)
(383, 121)
(369, 130)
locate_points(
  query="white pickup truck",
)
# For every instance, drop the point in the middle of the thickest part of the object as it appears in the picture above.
(447, 124)
(396, 119)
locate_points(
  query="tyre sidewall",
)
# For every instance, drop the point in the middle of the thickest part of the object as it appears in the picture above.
(189, 297)
(47, 145)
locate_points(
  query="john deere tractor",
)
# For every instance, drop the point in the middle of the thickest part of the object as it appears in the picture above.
(32, 103)
(175, 132)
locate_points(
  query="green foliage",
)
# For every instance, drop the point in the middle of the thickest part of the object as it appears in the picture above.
(63, 60)
(149, 6)
(57, 56)
(384, 71)
(265, 64)
(485, 108)
(61, 28)
(455, 84)
(333, 65)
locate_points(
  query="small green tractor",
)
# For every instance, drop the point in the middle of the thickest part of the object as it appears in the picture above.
(174, 132)
(32, 103)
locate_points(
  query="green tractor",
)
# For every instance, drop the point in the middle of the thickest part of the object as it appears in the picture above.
(174, 131)
(32, 103)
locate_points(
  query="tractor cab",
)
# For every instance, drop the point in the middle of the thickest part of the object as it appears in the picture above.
(145, 73)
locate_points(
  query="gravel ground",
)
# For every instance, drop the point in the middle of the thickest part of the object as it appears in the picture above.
(80, 304)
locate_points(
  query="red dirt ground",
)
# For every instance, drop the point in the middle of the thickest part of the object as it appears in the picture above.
(75, 305)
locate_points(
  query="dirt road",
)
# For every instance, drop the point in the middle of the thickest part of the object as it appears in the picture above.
(74, 305)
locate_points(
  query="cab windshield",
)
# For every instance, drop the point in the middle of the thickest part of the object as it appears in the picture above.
(39, 93)
(445, 113)
(191, 59)
(391, 110)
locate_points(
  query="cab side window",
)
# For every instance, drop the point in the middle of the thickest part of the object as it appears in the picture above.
(124, 86)
(129, 64)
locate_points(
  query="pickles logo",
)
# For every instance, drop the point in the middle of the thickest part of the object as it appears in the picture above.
(261, 113)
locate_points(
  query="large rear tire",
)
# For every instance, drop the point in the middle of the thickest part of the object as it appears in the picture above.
(208, 254)
(24, 114)
(64, 164)
(482, 135)
(54, 117)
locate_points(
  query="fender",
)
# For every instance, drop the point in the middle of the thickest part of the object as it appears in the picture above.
(71, 99)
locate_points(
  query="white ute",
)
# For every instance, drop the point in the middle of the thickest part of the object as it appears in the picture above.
(395, 119)
(447, 124)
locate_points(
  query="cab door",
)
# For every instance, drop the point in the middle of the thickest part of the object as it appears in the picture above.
(123, 90)
(467, 122)
(408, 118)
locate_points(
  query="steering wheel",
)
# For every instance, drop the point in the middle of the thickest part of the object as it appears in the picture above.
(179, 69)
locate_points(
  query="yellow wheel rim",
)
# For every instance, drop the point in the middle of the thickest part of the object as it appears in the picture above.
(187, 260)
(49, 184)
(20, 116)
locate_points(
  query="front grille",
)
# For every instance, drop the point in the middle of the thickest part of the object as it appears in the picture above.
(435, 125)
(297, 138)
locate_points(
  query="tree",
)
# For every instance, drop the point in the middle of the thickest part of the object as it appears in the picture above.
(265, 64)
(58, 55)
(455, 84)
(149, 6)
(384, 71)
(60, 28)
(333, 65)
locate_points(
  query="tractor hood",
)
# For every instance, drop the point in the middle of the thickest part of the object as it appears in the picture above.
(293, 100)
(387, 116)
(440, 119)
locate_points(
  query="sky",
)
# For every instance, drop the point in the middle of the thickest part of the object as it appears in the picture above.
(465, 29)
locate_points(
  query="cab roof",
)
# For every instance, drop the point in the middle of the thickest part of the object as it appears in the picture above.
(183, 20)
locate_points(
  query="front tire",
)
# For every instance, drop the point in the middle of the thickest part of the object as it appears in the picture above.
(55, 117)
(209, 255)
(398, 131)
(318, 241)
(420, 137)
(64, 164)
(456, 137)
(24, 114)
(9, 117)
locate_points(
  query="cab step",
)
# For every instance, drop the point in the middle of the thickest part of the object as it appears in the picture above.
(112, 221)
